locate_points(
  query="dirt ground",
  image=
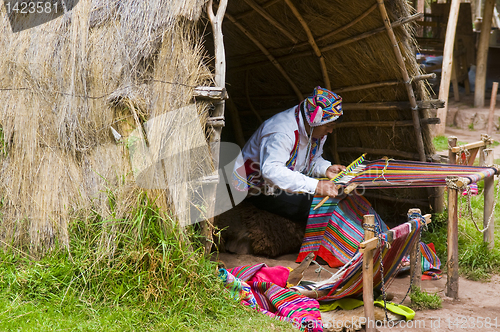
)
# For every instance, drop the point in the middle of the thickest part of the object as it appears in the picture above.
(479, 302)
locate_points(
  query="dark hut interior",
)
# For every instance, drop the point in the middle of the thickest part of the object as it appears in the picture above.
(277, 51)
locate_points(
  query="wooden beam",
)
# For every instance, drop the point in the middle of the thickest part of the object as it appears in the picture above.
(312, 42)
(207, 225)
(250, 12)
(446, 72)
(405, 123)
(489, 202)
(482, 54)
(368, 245)
(210, 92)
(406, 79)
(329, 47)
(353, 107)
(271, 20)
(268, 55)
(375, 106)
(478, 144)
(368, 219)
(379, 152)
(347, 26)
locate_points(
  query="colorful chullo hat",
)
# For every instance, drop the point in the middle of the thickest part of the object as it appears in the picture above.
(324, 106)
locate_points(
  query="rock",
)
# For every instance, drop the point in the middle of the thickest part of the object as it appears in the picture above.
(480, 121)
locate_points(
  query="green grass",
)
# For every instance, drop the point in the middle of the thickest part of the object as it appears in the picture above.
(476, 261)
(421, 300)
(154, 280)
(441, 143)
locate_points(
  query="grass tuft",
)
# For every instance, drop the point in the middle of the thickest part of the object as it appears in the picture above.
(441, 143)
(155, 278)
(476, 261)
(421, 300)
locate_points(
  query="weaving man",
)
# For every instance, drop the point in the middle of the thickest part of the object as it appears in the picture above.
(279, 163)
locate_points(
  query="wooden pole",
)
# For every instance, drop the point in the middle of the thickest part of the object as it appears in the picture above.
(452, 156)
(452, 265)
(215, 134)
(271, 58)
(482, 54)
(406, 79)
(368, 277)
(489, 197)
(446, 71)
(271, 20)
(415, 257)
(493, 103)
(312, 42)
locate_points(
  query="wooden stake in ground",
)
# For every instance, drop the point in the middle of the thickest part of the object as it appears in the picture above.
(449, 44)
(482, 54)
(369, 219)
(493, 103)
(489, 201)
(452, 264)
(415, 257)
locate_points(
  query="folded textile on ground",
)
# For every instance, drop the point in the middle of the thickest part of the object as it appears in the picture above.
(246, 284)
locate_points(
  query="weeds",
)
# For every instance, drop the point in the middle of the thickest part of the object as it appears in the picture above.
(476, 261)
(441, 143)
(421, 300)
(130, 274)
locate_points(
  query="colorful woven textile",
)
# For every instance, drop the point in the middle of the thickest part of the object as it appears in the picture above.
(334, 231)
(349, 280)
(271, 299)
(400, 174)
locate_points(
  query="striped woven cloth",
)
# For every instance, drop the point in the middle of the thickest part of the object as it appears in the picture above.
(349, 281)
(400, 174)
(271, 299)
(334, 231)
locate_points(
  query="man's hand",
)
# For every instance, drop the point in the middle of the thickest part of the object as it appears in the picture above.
(334, 170)
(327, 188)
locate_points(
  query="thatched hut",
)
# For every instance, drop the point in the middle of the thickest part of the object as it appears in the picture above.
(72, 88)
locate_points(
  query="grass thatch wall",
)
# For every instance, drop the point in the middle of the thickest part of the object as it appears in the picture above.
(63, 84)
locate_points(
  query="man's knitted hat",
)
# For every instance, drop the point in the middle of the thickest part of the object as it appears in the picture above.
(324, 106)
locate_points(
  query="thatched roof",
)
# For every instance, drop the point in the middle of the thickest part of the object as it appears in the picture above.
(110, 63)
(349, 61)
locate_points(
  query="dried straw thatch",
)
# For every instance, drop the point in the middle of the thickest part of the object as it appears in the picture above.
(63, 84)
(120, 63)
